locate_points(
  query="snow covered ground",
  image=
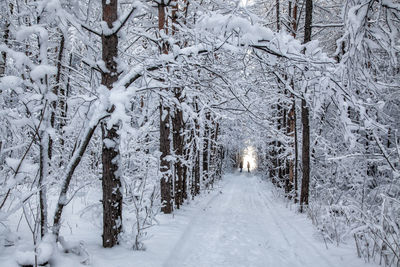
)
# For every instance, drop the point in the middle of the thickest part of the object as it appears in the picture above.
(246, 226)
(240, 223)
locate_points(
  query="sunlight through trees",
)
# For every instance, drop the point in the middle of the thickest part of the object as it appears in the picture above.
(250, 156)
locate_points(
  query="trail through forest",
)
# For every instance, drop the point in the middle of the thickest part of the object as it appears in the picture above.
(241, 222)
(245, 226)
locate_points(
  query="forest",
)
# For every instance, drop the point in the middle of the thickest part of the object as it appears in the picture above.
(124, 123)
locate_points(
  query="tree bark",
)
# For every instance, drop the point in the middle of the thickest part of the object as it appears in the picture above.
(197, 149)
(293, 164)
(296, 155)
(206, 147)
(42, 187)
(6, 36)
(70, 169)
(214, 151)
(165, 168)
(305, 183)
(279, 164)
(111, 183)
(278, 23)
(308, 21)
(56, 90)
(197, 173)
(290, 132)
(177, 125)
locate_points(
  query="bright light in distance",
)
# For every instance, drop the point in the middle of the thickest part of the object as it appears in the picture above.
(243, 3)
(246, 3)
(249, 156)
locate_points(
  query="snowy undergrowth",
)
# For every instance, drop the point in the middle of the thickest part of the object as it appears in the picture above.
(80, 243)
(374, 234)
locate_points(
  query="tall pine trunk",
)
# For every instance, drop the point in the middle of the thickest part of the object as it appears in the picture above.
(111, 183)
(178, 125)
(197, 149)
(178, 144)
(305, 182)
(165, 168)
(296, 155)
(292, 127)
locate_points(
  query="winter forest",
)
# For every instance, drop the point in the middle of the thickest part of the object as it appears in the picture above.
(200, 133)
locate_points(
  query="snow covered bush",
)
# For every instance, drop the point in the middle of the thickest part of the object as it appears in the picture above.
(378, 234)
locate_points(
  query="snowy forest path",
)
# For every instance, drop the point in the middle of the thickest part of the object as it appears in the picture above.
(245, 226)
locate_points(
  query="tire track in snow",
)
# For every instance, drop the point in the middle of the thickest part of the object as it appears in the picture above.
(283, 220)
(184, 244)
(245, 227)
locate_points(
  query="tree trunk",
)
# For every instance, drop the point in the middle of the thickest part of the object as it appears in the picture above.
(69, 172)
(215, 156)
(197, 153)
(308, 21)
(296, 155)
(165, 168)
(197, 174)
(41, 185)
(206, 147)
(293, 164)
(177, 125)
(290, 132)
(217, 151)
(187, 152)
(6, 36)
(279, 165)
(56, 90)
(278, 23)
(111, 183)
(305, 183)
